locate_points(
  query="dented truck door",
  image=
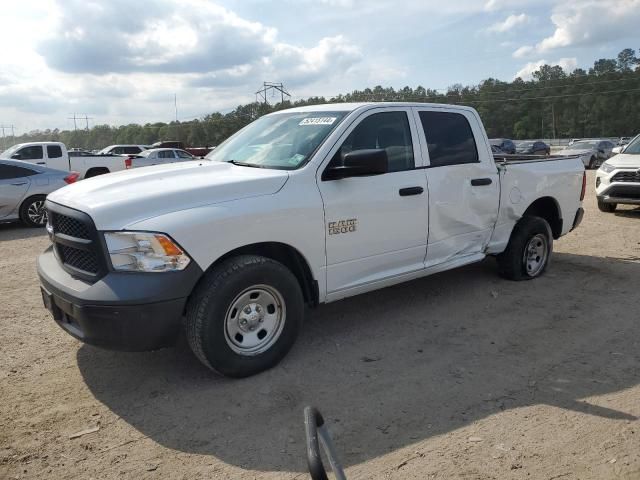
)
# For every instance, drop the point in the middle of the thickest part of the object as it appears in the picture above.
(376, 225)
(464, 187)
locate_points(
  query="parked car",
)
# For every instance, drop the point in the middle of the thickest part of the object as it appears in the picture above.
(122, 150)
(618, 179)
(592, 152)
(199, 152)
(504, 144)
(537, 147)
(54, 155)
(158, 156)
(24, 187)
(303, 206)
(624, 141)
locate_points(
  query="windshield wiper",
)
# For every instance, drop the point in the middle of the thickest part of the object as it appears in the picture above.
(244, 164)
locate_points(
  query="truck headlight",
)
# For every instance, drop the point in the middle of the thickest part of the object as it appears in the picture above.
(145, 252)
(607, 168)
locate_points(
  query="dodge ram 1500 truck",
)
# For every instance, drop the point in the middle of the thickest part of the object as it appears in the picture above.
(302, 206)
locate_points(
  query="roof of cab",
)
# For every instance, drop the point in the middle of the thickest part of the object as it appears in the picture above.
(350, 107)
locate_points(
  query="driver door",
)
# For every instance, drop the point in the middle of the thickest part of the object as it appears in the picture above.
(375, 226)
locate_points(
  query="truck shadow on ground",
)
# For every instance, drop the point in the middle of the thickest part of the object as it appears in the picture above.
(396, 366)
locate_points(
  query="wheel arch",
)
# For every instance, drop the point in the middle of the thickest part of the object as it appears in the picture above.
(549, 209)
(289, 256)
(95, 171)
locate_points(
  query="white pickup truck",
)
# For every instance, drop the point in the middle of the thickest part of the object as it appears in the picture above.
(55, 155)
(303, 206)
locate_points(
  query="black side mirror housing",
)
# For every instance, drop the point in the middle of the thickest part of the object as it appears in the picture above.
(359, 163)
(16, 156)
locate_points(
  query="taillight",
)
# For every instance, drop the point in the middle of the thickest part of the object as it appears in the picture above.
(128, 162)
(72, 177)
(584, 185)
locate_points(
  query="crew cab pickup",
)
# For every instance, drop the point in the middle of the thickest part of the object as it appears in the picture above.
(55, 155)
(302, 206)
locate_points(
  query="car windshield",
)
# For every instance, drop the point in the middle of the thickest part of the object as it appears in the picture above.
(144, 153)
(10, 151)
(583, 145)
(283, 141)
(633, 148)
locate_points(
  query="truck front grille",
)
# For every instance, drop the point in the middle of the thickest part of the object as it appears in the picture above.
(83, 260)
(76, 242)
(626, 177)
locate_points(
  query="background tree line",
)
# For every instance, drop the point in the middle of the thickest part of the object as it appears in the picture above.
(601, 102)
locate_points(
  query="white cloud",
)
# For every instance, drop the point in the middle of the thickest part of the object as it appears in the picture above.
(509, 23)
(567, 64)
(588, 22)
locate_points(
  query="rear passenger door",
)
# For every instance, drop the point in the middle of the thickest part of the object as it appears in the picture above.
(14, 184)
(463, 183)
(375, 226)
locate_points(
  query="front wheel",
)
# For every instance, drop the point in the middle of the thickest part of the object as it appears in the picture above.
(529, 250)
(607, 207)
(245, 315)
(32, 211)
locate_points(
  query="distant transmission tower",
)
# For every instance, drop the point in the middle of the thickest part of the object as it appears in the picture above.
(261, 95)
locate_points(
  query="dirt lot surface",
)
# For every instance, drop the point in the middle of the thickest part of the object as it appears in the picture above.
(459, 375)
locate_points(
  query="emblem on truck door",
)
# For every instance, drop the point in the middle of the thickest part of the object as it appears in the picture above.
(343, 226)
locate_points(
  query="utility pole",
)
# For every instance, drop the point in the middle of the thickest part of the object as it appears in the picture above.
(553, 120)
(75, 125)
(273, 87)
(175, 104)
(7, 127)
(86, 119)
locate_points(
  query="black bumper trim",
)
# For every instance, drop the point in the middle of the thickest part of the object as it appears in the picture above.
(121, 311)
(578, 218)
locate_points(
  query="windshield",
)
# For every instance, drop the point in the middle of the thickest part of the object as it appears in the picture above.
(582, 145)
(633, 148)
(10, 151)
(282, 141)
(144, 153)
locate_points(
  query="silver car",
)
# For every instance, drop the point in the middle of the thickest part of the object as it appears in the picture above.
(24, 187)
(592, 152)
(159, 156)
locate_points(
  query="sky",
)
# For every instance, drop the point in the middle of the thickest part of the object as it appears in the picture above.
(123, 61)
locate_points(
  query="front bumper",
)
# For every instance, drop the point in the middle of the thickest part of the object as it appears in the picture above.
(608, 190)
(122, 310)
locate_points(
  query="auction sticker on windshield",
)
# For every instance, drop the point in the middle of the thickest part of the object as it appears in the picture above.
(318, 121)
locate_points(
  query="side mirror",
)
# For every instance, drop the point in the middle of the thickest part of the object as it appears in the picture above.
(16, 156)
(601, 151)
(359, 163)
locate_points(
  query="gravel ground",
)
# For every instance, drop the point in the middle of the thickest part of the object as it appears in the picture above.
(459, 375)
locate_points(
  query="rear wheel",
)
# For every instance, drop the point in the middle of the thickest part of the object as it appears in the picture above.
(607, 207)
(32, 211)
(529, 250)
(245, 315)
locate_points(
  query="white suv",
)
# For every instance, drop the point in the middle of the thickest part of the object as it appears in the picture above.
(618, 179)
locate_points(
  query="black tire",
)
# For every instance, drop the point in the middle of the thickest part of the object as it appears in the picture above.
(607, 207)
(512, 262)
(207, 309)
(593, 163)
(94, 172)
(27, 212)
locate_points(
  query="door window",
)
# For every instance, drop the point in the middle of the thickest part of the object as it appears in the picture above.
(389, 131)
(33, 152)
(449, 138)
(7, 172)
(54, 151)
(131, 150)
(166, 154)
(182, 154)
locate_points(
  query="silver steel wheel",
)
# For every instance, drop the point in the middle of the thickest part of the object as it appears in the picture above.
(255, 320)
(535, 254)
(37, 213)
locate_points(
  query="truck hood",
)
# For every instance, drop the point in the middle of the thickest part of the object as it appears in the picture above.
(118, 199)
(625, 160)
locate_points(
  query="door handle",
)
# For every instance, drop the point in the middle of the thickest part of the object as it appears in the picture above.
(17, 184)
(479, 182)
(405, 192)
(40, 163)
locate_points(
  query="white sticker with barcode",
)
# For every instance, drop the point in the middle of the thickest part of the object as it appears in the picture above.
(318, 121)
